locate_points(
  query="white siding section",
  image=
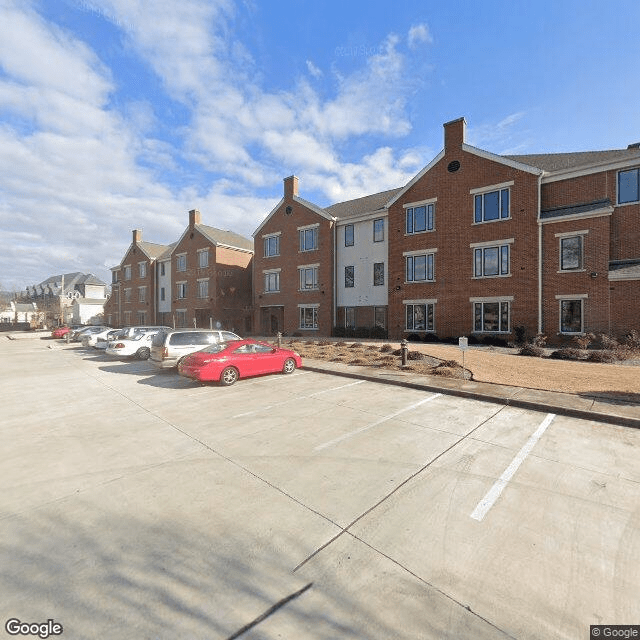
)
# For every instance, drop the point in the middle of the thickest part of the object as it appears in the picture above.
(164, 306)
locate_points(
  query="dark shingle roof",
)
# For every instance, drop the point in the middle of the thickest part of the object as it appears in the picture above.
(229, 238)
(152, 249)
(359, 206)
(575, 209)
(564, 161)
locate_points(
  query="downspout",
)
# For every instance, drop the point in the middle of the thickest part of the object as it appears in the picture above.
(333, 275)
(540, 323)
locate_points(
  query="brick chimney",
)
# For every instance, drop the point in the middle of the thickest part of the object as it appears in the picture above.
(290, 187)
(137, 236)
(454, 134)
(194, 217)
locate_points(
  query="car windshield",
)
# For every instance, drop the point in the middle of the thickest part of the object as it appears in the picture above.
(214, 348)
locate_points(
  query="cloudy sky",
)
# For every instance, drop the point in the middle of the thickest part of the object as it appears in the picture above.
(123, 114)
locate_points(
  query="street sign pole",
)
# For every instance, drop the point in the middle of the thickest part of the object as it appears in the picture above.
(463, 343)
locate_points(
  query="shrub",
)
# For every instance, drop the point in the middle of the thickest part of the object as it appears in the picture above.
(413, 337)
(567, 353)
(494, 341)
(372, 347)
(385, 348)
(431, 337)
(356, 345)
(602, 356)
(362, 332)
(539, 341)
(325, 343)
(338, 332)
(531, 350)
(415, 355)
(520, 334)
(582, 342)
(379, 333)
(608, 342)
(632, 340)
(450, 364)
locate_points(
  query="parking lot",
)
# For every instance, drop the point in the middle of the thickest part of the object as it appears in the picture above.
(139, 504)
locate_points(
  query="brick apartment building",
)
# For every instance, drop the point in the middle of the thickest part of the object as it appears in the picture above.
(202, 280)
(476, 244)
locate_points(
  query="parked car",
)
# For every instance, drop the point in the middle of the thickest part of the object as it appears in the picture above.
(103, 341)
(136, 346)
(60, 332)
(170, 346)
(76, 334)
(226, 362)
(90, 337)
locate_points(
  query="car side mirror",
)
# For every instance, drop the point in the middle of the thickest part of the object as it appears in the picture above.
(274, 350)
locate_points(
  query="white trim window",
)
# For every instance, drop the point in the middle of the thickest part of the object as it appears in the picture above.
(127, 272)
(203, 288)
(380, 317)
(163, 269)
(348, 235)
(420, 218)
(141, 317)
(272, 245)
(181, 290)
(491, 315)
(349, 277)
(142, 269)
(127, 318)
(308, 317)
(420, 315)
(350, 317)
(272, 281)
(378, 274)
(181, 262)
(162, 294)
(571, 251)
(142, 294)
(571, 309)
(127, 295)
(181, 318)
(492, 260)
(378, 230)
(629, 186)
(419, 266)
(309, 238)
(203, 258)
(492, 203)
(308, 276)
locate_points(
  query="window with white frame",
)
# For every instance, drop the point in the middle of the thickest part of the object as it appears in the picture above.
(308, 277)
(308, 317)
(380, 317)
(378, 230)
(127, 318)
(141, 317)
(571, 252)
(490, 260)
(350, 317)
(348, 235)
(142, 269)
(420, 218)
(271, 246)
(378, 274)
(203, 258)
(349, 276)
(491, 316)
(203, 288)
(572, 315)
(162, 269)
(271, 281)
(181, 318)
(420, 267)
(181, 290)
(492, 204)
(181, 262)
(629, 186)
(142, 294)
(127, 272)
(309, 238)
(127, 295)
(162, 294)
(420, 316)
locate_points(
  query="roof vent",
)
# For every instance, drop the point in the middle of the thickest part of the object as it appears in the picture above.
(453, 166)
(635, 145)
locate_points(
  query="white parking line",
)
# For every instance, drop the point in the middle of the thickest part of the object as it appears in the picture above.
(373, 424)
(493, 494)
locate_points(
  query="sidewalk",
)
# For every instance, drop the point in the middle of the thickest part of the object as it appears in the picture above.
(600, 408)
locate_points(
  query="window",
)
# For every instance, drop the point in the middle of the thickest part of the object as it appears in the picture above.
(493, 205)
(308, 317)
(114, 277)
(349, 277)
(141, 317)
(127, 318)
(127, 295)
(181, 290)
(378, 230)
(420, 316)
(162, 294)
(127, 272)
(142, 269)
(181, 262)
(380, 317)
(629, 186)
(142, 294)
(162, 268)
(571, 253)
(271, 281)
(348, 235)
(420, 219)
(571, 314)
(378, 274)
(203, 288)
(309, 239)
(350, 317)
(203, 258)
(181, 318)
(308, 278)
(271, 246)
(420, 268)
(491, 317)
(491, 261)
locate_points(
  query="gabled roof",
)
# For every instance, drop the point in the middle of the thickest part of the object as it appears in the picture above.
(552, 162)
(226, 238)
(151, 249)
(363, 205)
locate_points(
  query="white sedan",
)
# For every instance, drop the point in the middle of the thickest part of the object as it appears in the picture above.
(139, 346)
(89, 338)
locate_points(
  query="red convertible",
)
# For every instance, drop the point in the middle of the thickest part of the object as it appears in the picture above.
(226, 362)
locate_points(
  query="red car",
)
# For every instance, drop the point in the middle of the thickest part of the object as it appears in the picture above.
(227, 361)
(60, 332)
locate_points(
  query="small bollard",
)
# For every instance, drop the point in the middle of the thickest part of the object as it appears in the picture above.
(67, 336)
(404, 348)
(279, 334)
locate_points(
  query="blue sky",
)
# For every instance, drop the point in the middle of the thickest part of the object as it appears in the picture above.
(124, 114)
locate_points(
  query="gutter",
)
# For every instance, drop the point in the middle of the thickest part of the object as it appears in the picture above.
(540, 324)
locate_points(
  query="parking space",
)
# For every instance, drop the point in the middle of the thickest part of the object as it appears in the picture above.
(187, 510)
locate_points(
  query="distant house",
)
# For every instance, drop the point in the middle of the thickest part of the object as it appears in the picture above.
(13, 312)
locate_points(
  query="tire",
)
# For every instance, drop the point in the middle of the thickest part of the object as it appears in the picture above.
(229, 376)
(143, 353)
(289, 366)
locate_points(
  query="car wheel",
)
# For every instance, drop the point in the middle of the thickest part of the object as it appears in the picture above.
(229, 376)
(143, 353)
(289, 366)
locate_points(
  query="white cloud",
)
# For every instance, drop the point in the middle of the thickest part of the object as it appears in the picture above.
(418, 34)
(313, 70)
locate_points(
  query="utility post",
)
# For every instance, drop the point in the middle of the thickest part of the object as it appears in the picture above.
(404, 349)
